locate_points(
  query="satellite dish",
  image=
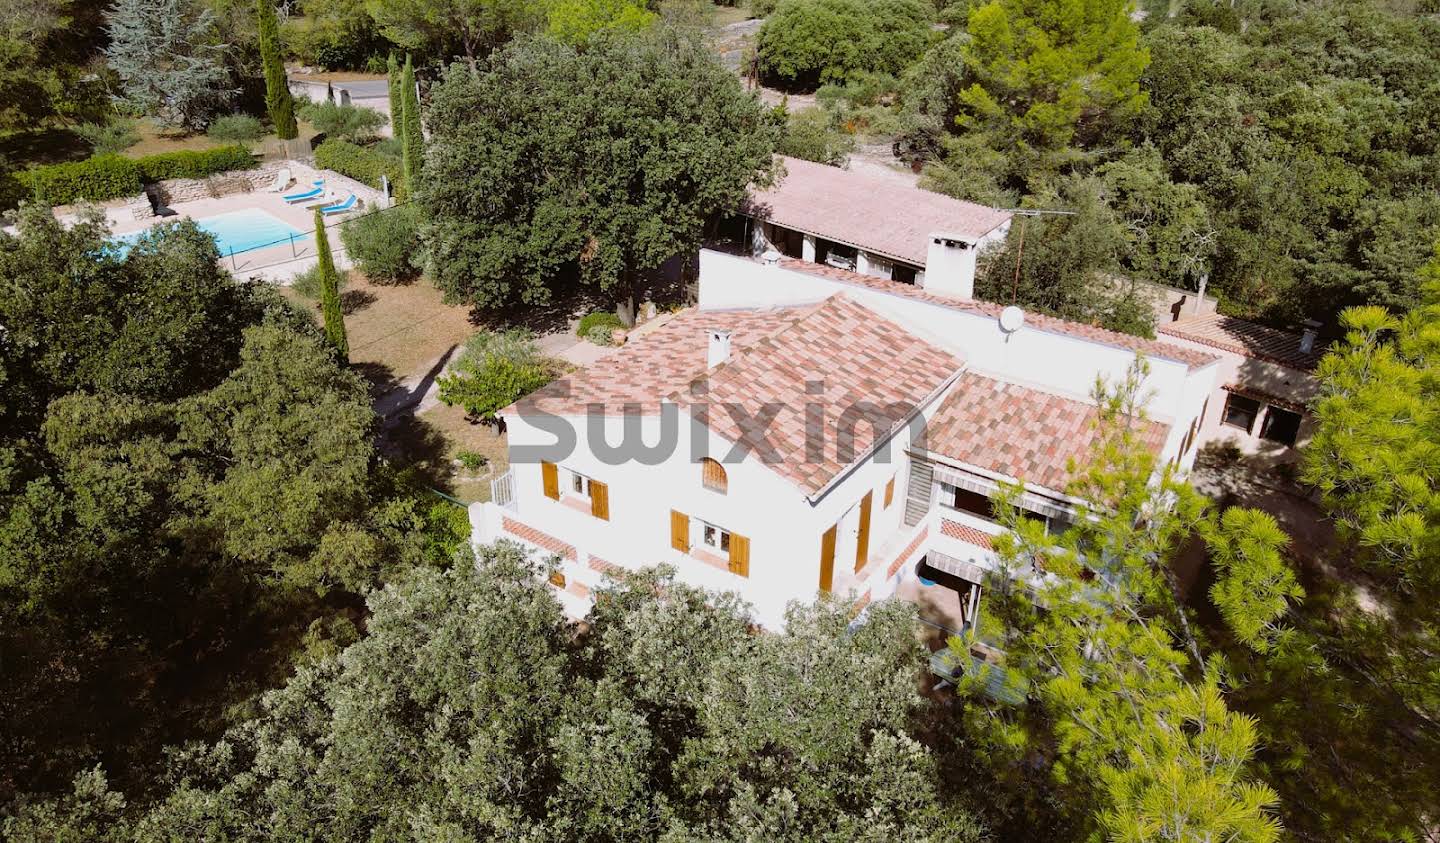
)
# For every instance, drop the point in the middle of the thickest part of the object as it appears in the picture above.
(1011, 318)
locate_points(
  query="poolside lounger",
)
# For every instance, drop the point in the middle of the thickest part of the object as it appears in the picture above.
(313, 193)
(282, 180)
(341, 207)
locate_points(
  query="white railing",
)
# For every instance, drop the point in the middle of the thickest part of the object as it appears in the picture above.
(502, 490)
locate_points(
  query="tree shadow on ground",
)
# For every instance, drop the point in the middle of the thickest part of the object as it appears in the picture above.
(411, 441)
(45, 146)
(380, 376)
(353, 301)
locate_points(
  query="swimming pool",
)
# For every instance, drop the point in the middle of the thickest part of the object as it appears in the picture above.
(238, 231)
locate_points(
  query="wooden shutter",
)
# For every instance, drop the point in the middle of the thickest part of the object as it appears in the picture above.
(862, 540)
(827, 560)
(599, 500)
(550, 479)
(890, 493)
(739, 555)
(680, 531)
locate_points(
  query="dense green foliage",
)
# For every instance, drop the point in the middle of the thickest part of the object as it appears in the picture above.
(170, 60)
(599, 319)
(575, 21)
(360, 163)
(108, 138)
(181, 479)
(468, 711)
(352, 123)
(45, 69)
(809, 42)
(236, 129)
(329, 278)
(442, 29)
(528, 184)
(338, 35)
(812, 134)
(411, 131)
(384, 244)
(278, 101)
(114, 176)
(496, 369)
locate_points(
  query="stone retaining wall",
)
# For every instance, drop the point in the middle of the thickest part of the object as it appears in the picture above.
(177, 191)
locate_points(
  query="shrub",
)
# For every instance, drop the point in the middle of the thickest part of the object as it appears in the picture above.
(108, 138)
(600, 319)
(383, 244)
(96, 179)
(347, 122)
(307, 283)
(806, 43)
(600, 335)
(811, 134)
(195, 164)
(356, 161)
(472, 459)
(496, 370)
(237, 129)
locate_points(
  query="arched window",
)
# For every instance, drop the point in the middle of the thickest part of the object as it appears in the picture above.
(712, 475)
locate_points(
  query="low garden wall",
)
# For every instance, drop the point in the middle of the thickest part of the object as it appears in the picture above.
(174, 191)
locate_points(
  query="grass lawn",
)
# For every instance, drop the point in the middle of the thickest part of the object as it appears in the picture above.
(54, 145)
(459, 434)
(726, 15)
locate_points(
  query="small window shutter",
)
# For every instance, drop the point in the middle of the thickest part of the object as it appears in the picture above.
(599, 500)
(550, 477)
(827, 560)
(890, 493)
(739, 555)
(680, 531)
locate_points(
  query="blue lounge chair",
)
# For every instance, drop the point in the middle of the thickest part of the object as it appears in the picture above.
(313, 193)
(340, 208)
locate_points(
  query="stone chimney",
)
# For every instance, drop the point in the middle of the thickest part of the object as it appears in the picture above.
(1308, 336)
(719, 348)
(950, 265)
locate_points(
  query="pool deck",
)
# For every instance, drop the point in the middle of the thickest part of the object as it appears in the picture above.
(277, 263)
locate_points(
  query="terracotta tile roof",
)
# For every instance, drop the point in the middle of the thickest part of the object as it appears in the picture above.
(1091, 333)
(909, 551)
(872, 371)
(1238, 336)
(1019, 432)
(538, 537)
(965, 533)
(875, 214)
(657, 363)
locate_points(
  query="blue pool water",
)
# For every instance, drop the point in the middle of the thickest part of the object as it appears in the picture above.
(238, 231)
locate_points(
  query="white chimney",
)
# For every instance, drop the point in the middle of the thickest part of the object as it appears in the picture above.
(1309, 335)
(770, 258)
(950, 265)
(719, 348)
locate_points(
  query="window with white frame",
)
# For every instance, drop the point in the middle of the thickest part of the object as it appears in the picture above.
(711, 537)
(579, 485)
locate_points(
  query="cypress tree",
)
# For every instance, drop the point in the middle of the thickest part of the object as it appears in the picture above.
(277, 88)
(412, 137)
(392, 72)
(330, 291)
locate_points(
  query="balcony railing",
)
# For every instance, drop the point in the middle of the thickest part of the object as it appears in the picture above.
(502, 490)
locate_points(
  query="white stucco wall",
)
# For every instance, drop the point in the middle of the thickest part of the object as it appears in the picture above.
(1055, 362)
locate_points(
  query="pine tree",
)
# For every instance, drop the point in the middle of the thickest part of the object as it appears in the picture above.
(412, 137)
(169, 63)
(330, 290)
(278, 100)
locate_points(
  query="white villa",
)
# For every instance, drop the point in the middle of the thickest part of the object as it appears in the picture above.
(874, 419)
(870, 225)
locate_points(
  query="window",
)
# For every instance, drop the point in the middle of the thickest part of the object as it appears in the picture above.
(903, 273)
(1280, 426)
(965, 500)
(712, 476)
(715, 538)
(1240, 412)
(579, 484)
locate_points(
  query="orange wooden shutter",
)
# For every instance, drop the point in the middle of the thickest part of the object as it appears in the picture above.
(680, 531)
(889, 492)
(550, 479)
(862, 540)
(827, 560)
(599, 500)
(739, 555)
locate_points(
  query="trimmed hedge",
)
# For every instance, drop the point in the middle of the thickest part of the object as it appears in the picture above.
(599, 319)
(357, 162)
(115, 177)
